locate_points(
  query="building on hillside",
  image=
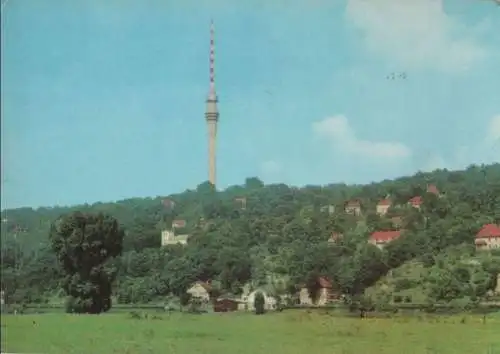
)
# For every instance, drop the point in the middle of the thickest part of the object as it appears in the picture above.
(200, 290)
(168, 237)
(226, 305)
(397, 221)
(248, 300)
(2, 297)
(178, 224)
(431, 188)
(335, 237)
(383, 206)
(325, 295)
(168, 203)
(330, 209)
(381, 238)
(488, 237)
(241, 202)
(497, 288)
(353, 207)
(417, 201)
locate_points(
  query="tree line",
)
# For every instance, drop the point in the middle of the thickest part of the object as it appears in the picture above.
(274, 235)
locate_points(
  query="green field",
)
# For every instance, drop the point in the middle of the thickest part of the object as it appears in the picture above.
(289, 332)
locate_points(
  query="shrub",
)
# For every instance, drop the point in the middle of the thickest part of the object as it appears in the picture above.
(403, 284)
(259, 303)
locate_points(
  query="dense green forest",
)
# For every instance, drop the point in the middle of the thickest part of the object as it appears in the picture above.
(277, 236)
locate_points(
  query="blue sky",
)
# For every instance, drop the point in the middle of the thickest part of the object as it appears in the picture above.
(105, 100)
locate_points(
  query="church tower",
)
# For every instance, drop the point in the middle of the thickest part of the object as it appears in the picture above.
(212, 113)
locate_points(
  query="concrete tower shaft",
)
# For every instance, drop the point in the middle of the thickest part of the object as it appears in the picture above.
(212, 113)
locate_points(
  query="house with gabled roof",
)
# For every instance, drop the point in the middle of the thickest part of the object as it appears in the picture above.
(178, 224)
(431, 188)
(168, 237)
(335, 237)
(325, 295)
(330, 209)
(488, 237)
(241, 202)
(417, 201)
(200, 290)
(353, 207)
(381, 238)
(383, 206)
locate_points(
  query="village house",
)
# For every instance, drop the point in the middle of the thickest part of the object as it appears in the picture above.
(417, 201)
(168, 237)
(488, 237)
(326, 294)
(225, 304)
(200, 290)
(383, 206)
(397, 221)
(330, 209)
(178, 224)
(241, 202)
(381, 238)
(168, 203)
(353, 207)
(335, 237)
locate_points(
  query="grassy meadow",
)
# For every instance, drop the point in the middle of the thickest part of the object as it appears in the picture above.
(290, 332)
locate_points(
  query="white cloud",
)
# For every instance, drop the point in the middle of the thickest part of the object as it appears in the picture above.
(338, 131)
(486, 151)
(494, 130)
(415, 33)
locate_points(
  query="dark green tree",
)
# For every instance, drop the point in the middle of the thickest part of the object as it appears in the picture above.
(259, 303)
(87, 246)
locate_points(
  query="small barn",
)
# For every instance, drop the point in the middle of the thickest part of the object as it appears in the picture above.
(225, 305)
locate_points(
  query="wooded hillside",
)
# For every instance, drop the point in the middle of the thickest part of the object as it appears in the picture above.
(267, 234)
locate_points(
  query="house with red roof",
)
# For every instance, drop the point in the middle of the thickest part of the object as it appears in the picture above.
(325, 295)
(432, 189)
(353, 207)
(488, 237)
(178, 224)
(381, 238)
(383, 206)
(417, 201)
(335, 236)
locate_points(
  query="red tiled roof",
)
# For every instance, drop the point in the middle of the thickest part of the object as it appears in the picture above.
(324, 282)
(384, 236)
(353, 203)
(384, 202)
(415, 200)
(432, 189)
(489, 230)
(179, 223)
(335, 236)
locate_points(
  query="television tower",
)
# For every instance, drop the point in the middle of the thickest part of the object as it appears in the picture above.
(212, 114)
